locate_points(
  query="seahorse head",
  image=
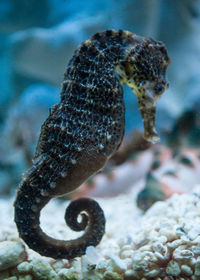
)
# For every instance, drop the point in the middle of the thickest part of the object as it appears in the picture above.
(144, 70)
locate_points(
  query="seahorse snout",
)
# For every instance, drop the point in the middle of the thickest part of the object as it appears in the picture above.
(150, 92)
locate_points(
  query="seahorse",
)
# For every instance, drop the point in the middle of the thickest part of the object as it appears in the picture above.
(84, 130)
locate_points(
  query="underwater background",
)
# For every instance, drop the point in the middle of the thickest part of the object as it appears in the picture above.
(37, 38)
(150, 194)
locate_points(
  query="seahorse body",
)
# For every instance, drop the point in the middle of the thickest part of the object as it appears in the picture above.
(84, 129)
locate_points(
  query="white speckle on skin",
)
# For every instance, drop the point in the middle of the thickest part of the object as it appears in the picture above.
(44, 193)
(108, 137)
(37, 200)
(62, 127)
(24, 176)
(73, 161)
(63, 174)
(101, 146)
(52, 185)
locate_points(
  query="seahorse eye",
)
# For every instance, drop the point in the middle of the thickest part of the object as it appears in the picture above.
(159, 88)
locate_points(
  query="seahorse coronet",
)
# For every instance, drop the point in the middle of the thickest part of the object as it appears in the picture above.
(84, 130)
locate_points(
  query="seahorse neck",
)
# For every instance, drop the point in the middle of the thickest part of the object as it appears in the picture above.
(94, 63)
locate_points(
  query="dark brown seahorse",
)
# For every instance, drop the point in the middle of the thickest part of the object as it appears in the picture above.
(84, 130)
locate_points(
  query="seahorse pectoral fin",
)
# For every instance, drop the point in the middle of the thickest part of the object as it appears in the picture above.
(147, 106)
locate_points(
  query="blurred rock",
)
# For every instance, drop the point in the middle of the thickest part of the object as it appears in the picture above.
(43, 54)
(151, 193)
(21, 14)
(186, 130)
(22, 130)
(11, 254)
(6, 87)
(25, 119)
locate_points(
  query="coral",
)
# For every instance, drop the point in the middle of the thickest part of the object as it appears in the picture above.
(39, 268)
(11, 254)
(161, 244)
(168, 243)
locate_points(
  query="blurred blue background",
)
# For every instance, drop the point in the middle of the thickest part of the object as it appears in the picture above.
(37, 38)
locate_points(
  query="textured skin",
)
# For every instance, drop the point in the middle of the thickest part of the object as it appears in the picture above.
(84, 130)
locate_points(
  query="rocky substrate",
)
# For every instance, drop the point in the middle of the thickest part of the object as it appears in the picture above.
(162, 244)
